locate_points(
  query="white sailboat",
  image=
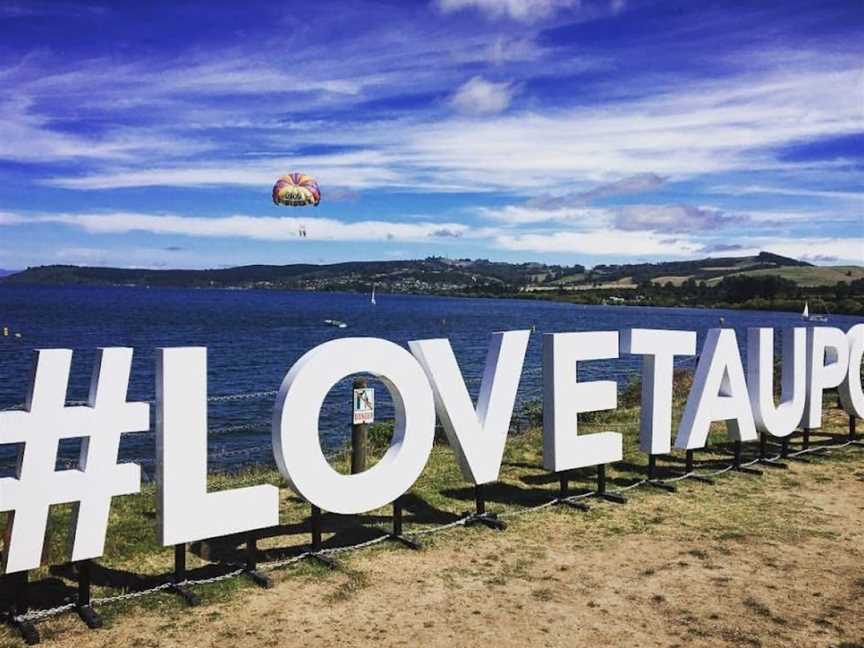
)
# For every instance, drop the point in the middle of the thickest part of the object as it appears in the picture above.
(372, 301)
(816, 317)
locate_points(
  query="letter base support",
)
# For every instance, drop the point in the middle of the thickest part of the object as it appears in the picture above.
(315, 549)
(763, 455)
(853, 438)
(652, 477)
(688, 469)
(784, 452)
(396, 535)
(82, 602)
(27, 629)
(564, 493)
(179, 577)
(480, 515)
(736, 462)
(601, 491)
(251, 568)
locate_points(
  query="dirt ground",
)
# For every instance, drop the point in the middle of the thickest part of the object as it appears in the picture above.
(750, 561)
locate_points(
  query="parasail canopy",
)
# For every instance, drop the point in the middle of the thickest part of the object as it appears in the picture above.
(296, 190)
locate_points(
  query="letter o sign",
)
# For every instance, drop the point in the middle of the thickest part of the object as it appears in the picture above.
(296, 444)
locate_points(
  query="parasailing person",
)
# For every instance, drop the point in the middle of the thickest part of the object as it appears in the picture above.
(297, 190)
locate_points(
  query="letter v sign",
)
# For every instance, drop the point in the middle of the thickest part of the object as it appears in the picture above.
(477, 437)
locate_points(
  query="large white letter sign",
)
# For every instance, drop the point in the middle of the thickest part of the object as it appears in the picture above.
(827, 365)
(186, 511)
(477, 437)
(658, 348)
(719, 393)
(782, 420)
(564, 397)
(296, 444)
(40, 426)
(851, 394)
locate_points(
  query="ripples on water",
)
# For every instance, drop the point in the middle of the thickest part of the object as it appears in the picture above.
(253, 337)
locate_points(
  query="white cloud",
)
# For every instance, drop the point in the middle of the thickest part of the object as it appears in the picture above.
(665, 128)
(27, 136)
(249, 227)
(528, 214)
(618, 243)
(602, 243)
(674, 218)
(480, 97)
(653, 218)
(788, 191)
(522, 10)
(817, 249)
(590, 231)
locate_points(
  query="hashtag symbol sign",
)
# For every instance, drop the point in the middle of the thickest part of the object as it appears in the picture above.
(90, 485)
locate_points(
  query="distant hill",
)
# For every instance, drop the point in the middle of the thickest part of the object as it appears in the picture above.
(762, 282)
(700, 269)
(808, 276)
(442, 275)
(5, 273)
(434, 274)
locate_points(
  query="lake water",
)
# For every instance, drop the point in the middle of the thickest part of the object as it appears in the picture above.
(253, 337)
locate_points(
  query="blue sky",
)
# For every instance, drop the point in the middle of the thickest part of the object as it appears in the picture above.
(150, 133)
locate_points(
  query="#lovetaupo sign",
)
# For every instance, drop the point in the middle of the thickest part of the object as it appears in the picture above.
(422, 381)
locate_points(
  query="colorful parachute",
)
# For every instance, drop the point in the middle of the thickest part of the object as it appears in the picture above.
(296, 190)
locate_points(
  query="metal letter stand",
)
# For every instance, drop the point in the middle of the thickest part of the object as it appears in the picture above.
(251, 568)
(315, 548)
(652, 476)
(82, 602)
(179, 576)
(784, 451)
(763, 454)
(736, 461)
(688, 469)
(396, 535)
(480, 516)
(852, 436)
(564, 493)
(20, 583)
(601, 488)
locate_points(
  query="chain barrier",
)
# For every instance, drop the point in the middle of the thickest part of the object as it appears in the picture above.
(531, 509)
(36, 615)
(438, 529)
(332, 551)
(223, 398)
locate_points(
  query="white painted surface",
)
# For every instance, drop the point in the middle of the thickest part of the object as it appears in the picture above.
(851, 395)
(186, 512)
(564, 397)
(296, 443)
(476, 436)
(97, 478)
(719, 393)
(827, 366)
(658, 349)
(782, 419)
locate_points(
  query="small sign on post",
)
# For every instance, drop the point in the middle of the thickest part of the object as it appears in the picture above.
(364, 405)
(363, 413)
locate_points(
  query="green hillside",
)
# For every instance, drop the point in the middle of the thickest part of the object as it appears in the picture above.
(808, 277)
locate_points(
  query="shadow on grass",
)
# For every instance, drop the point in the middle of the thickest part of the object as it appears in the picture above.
(338, 531)
(43, 593)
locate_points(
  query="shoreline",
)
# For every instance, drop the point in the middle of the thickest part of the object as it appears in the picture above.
(785, 306)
